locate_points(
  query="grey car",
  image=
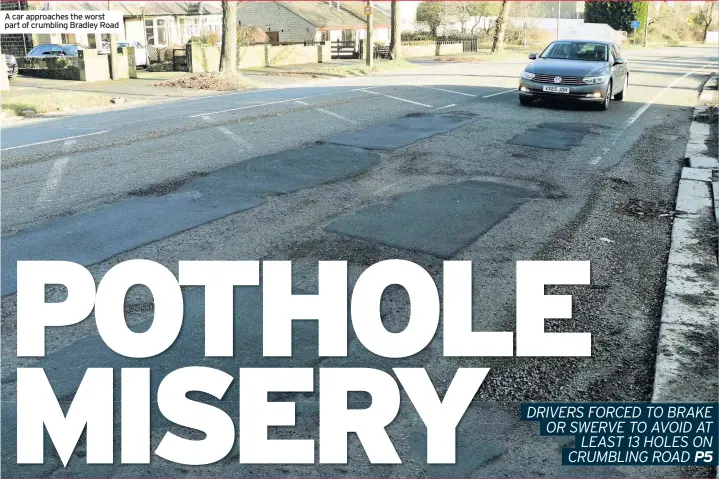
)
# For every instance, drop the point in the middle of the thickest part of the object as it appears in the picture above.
(581, 70)
(11, 66)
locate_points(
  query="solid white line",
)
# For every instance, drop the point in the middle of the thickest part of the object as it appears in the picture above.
(640, 112)
(396, 98)
(500, 93)
(448, 91)
(445, 106)
(247, 107)
(53, 141)
(327, 112)
(58, 168)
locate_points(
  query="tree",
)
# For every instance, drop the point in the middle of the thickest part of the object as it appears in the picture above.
(395, 43)
(228, 50)
(430, 14)
(500, 26)
(617, 14)
(464, 11)
(704, 17)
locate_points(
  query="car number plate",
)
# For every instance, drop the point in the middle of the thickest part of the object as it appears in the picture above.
(556, 89)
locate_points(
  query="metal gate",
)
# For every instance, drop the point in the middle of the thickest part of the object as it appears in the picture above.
(179, 60)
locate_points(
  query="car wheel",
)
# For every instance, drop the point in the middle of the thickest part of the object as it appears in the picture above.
(524, 101)
(607, 97)
(620, 96)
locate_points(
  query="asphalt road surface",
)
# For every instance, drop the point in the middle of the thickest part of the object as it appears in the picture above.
(426, 164)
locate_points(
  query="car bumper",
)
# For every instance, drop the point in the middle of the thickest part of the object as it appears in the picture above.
(590, 93)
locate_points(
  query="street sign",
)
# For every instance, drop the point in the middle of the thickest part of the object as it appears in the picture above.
(368, 10)
(636, 24)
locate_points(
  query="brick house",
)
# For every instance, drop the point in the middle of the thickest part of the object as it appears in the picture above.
(300, 21)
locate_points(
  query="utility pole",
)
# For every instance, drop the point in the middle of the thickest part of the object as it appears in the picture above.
(646, 24)
(369, 55)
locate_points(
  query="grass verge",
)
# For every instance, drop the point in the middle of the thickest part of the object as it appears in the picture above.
(54, 101)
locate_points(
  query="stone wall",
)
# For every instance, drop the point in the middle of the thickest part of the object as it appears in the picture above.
(94, 67)
(61, 68)
(207, 59)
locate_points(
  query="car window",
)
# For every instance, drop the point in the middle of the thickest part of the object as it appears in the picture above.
(586, 51)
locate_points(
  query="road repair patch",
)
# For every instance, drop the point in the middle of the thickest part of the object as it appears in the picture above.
(94, 236)
(439, 220)
(403, 131)
(554, 136)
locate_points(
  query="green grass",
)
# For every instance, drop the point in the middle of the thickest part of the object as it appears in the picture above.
(53, 101)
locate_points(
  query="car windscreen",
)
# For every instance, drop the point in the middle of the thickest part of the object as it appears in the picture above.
(70, 50)
(587, 51)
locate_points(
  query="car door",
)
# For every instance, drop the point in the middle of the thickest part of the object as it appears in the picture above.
(614, 68)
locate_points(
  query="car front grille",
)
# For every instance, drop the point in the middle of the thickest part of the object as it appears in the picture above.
(564, 79)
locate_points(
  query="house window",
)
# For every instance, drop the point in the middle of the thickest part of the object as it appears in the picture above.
(161, 31)
(67, 37)
(150, 32)
(91, 41)
(348, 35)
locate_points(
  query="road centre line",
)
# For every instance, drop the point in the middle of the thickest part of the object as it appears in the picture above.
(500, 93)
(327, 112)
(230, 134)
(635, 116)
(53, 180)
(53, 141)
(444, 90)
(395, 98)
(270, 103)
(445, 106)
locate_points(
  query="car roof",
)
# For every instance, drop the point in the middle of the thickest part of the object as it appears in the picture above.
(585, 40)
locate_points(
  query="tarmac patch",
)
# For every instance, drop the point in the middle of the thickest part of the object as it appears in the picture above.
(554, 136)
(403, 131)
(95, 236)
(440, 220)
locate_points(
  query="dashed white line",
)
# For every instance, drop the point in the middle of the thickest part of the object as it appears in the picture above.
(445, 90)
(327, 112)
(500, 93)
(445, 106)
(247, 107)
(231, 135)
(396, 98)
(53, 180)
(53, 141)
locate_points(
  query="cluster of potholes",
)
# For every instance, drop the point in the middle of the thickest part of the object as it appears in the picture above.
(439, 220)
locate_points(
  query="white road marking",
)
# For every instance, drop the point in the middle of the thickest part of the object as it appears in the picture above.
(445, 106)
(396, 98)
(500, 93)
(231, 135)
(447, 91)
(53, 141)
(644, 107)
(58, 168)
(247, 107)
(327, 112)
(635, 116)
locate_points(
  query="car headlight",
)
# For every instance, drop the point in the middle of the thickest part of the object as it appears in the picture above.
(527, 75)
(593, 80)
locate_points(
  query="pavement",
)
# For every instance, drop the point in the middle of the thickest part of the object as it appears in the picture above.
(305, 173)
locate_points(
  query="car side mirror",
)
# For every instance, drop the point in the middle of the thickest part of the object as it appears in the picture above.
(619, 61)
(532, 56)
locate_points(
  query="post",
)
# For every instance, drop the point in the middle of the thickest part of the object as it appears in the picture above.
(634, 42)
(114, 71)
(144, 28)
(369, 55)
(559, 15)
(646, 24)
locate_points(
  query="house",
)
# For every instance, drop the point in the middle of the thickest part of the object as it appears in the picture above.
(302, 21)
(165, 23)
